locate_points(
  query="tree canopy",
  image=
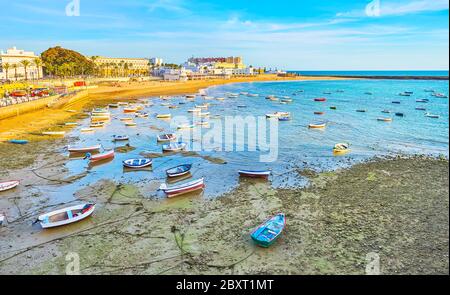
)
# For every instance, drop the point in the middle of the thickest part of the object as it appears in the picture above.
(65, 62)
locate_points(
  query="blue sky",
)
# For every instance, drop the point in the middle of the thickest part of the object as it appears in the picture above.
(289, 34)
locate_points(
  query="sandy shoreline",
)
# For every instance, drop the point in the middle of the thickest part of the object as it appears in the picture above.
(26, 126)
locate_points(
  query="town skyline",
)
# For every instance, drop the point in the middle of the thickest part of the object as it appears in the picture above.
(293, 35)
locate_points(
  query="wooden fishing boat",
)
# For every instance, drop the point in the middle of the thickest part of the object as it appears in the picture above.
(386, 111)
(368, 93)
(130, 110)
(273, 98)
(163, 116)
(287, 100)
(174, 147)
(176, 190)
(203, 106)
(185, 126)
(361, 111)
(252, 95)
(241, 106)
(166, 137)
(122, 103)
(341, 148)
(421, 109)
(71, 124)
(18, 141)
(423, 100)
(73, 149)
(278, 114)
(232, 95)
(220, 98)
(100, 157)
(97, 124)
(85, 130)
(384, 119)
(270, 96)
(399, 114)
(203, 115)
(113, 105)
(255, 173)
(396, 102)
(404, 94)
(208, 97)
(191, 96)
(142, 115)
(284, 118)
(100, 119)
(172, 106)
(333, 108)
(126, 119)
(4, 186)
(319, 113)
(194, 110)
(120, 137)
(429, 115)
(66, 216)
(320, 99)
(268, 232)
(131, 124)
(54, 133)
(179, 170)
(317, 125)
(137, 163)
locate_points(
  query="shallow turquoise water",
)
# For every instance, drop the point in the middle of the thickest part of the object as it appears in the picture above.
(298, 146)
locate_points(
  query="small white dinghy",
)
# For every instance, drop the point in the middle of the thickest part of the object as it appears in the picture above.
(73, 149)
(4, 186)
(66, 215)
(137, 163)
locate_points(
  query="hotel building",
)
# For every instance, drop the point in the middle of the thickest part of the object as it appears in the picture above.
(11, 67)
(138, 64)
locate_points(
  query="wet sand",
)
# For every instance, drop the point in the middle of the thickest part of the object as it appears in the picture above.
(29, 125)
(397, 208)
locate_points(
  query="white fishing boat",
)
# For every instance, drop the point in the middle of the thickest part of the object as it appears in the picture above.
(86, 130)
(174, 147)
(54, 133)
(185, 126)
(137, 163)
(176, 190)
(74, 149)
(4, 186)
(66, 216)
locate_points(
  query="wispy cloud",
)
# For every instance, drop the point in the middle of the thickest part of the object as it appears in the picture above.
(397, 8)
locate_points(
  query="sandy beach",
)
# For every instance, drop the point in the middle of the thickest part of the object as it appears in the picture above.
(27, 126)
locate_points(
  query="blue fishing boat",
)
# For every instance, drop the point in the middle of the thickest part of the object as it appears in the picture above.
(285, 118)
(267, 233)
(179, 170)
(18, 141)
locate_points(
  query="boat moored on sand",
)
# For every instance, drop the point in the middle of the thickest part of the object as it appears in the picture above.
(255, 173)
(7, 185)
(177, 190)
(268, 232)
(66, 216)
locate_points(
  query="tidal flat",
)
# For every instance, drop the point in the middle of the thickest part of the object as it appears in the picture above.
(395, 207)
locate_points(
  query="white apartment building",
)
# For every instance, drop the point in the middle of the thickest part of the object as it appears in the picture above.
(11, 67)
(156, 61)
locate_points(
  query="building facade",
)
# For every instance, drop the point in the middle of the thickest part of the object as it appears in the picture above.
(12, 68)
(156, 61)
(122, 65)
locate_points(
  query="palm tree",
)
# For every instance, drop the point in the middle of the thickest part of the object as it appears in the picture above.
(25, 63)
(15, 66)
(121, 64)
(6, 66)
(96, 67)
(38, 63)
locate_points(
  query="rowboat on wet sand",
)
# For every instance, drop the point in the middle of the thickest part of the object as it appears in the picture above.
(176, 190)
(255, 173)
(268, 232)
(174, 147)
(137, 163)
(120, 137)
(66, 215)
(317, 125)
(100, 157)
(97, 124)
(4, 186)
(54, 133)
(384, 119)
(179, 170)
(18, 141)
(166, 137)
(341, 148)
(73, 149)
